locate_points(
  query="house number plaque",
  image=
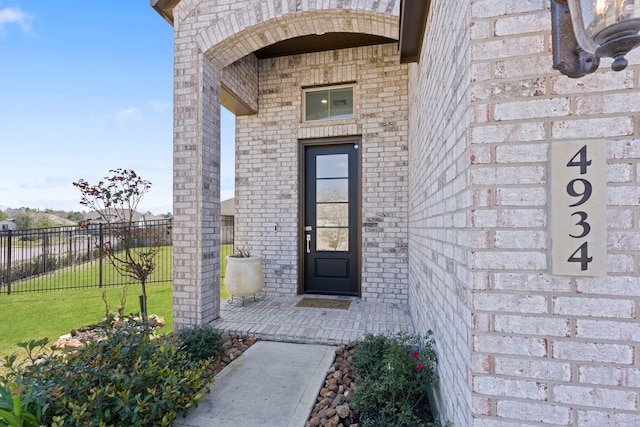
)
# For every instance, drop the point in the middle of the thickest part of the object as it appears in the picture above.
(578, 208)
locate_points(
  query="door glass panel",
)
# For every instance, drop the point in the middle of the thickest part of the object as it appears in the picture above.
(332, 239)
(332, 202)
(332, 166)
(332, 190)
(333, 215)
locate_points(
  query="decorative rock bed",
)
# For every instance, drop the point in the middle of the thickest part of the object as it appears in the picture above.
(93, 333)
(332, 409)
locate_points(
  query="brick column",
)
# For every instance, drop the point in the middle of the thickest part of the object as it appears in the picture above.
(196, 187)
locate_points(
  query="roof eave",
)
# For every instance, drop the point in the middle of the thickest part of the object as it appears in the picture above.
(165, 8)
(413, 23)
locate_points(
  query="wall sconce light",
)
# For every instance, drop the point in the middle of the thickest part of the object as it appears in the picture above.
(583, 31)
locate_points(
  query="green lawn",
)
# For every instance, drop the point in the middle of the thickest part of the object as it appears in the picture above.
(34, 315)
(50, 314)
(88, 273)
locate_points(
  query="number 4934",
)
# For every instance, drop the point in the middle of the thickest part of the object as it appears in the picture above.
(579, 208)
(581, 189)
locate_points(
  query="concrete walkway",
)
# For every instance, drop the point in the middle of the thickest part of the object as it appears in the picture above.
(276, 381)
(270, 385)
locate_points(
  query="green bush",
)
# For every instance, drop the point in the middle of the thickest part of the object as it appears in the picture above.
(17, 412)
(397, 373)
(200, 342)
(40, 264)
(33, 267)
(130, 378)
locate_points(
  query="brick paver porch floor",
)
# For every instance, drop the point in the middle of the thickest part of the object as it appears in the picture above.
(276, 318)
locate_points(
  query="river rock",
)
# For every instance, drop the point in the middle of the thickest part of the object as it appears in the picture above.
(343, 411)
(337, 400)
(156, 321)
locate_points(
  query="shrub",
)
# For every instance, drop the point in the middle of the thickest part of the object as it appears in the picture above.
(128, 379)
(17, 412)
(41, 265)
(200, 342)
(34, 266)
(397, 373)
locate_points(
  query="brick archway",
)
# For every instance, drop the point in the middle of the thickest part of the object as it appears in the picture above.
(210, 36)
(225, 48)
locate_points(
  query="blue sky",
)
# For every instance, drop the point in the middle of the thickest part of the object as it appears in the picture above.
(86, 88)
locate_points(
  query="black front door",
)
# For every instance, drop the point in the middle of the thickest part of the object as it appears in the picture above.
(330, 238)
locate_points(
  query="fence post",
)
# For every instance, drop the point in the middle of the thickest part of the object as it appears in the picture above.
(72, 251)
(89, 248)
(45, 244)
(9, 250)
(100, 257)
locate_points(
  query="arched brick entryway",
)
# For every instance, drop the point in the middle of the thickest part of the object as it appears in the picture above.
(214, 42)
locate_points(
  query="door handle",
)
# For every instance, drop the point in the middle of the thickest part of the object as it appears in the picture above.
(308, 243)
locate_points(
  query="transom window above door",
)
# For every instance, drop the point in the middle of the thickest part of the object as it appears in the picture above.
(326, 103)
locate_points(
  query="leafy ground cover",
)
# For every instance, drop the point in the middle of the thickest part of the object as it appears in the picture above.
(131, 377)
(381, 381)
(398, 372)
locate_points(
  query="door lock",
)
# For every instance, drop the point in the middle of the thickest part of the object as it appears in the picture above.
(308, 228)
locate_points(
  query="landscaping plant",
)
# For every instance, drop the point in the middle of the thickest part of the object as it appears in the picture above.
(17, 412)
(398, 372)
(243, 251)
(201, 342)
(129, 378)
(116, 198)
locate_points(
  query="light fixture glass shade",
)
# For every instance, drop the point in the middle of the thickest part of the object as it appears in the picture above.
(596, 22)
(606, 27)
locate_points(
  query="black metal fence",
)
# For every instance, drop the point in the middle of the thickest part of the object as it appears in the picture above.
(59, 258)
(226, 234)
(49, 259)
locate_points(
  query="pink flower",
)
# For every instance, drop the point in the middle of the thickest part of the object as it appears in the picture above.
(420, 367)
(416, 355)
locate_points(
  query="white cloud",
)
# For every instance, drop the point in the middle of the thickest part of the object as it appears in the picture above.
(160, 106)
(125, 116)
(15, 16)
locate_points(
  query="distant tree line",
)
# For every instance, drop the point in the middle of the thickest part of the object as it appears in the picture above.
(27, 218)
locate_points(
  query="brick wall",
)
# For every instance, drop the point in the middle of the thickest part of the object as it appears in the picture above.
(485, 107)
(267, 169)
(440, 199)
(241, 82)
(546, 350)
(196, 184)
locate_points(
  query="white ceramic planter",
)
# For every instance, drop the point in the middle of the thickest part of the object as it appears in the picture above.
(243, 276)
